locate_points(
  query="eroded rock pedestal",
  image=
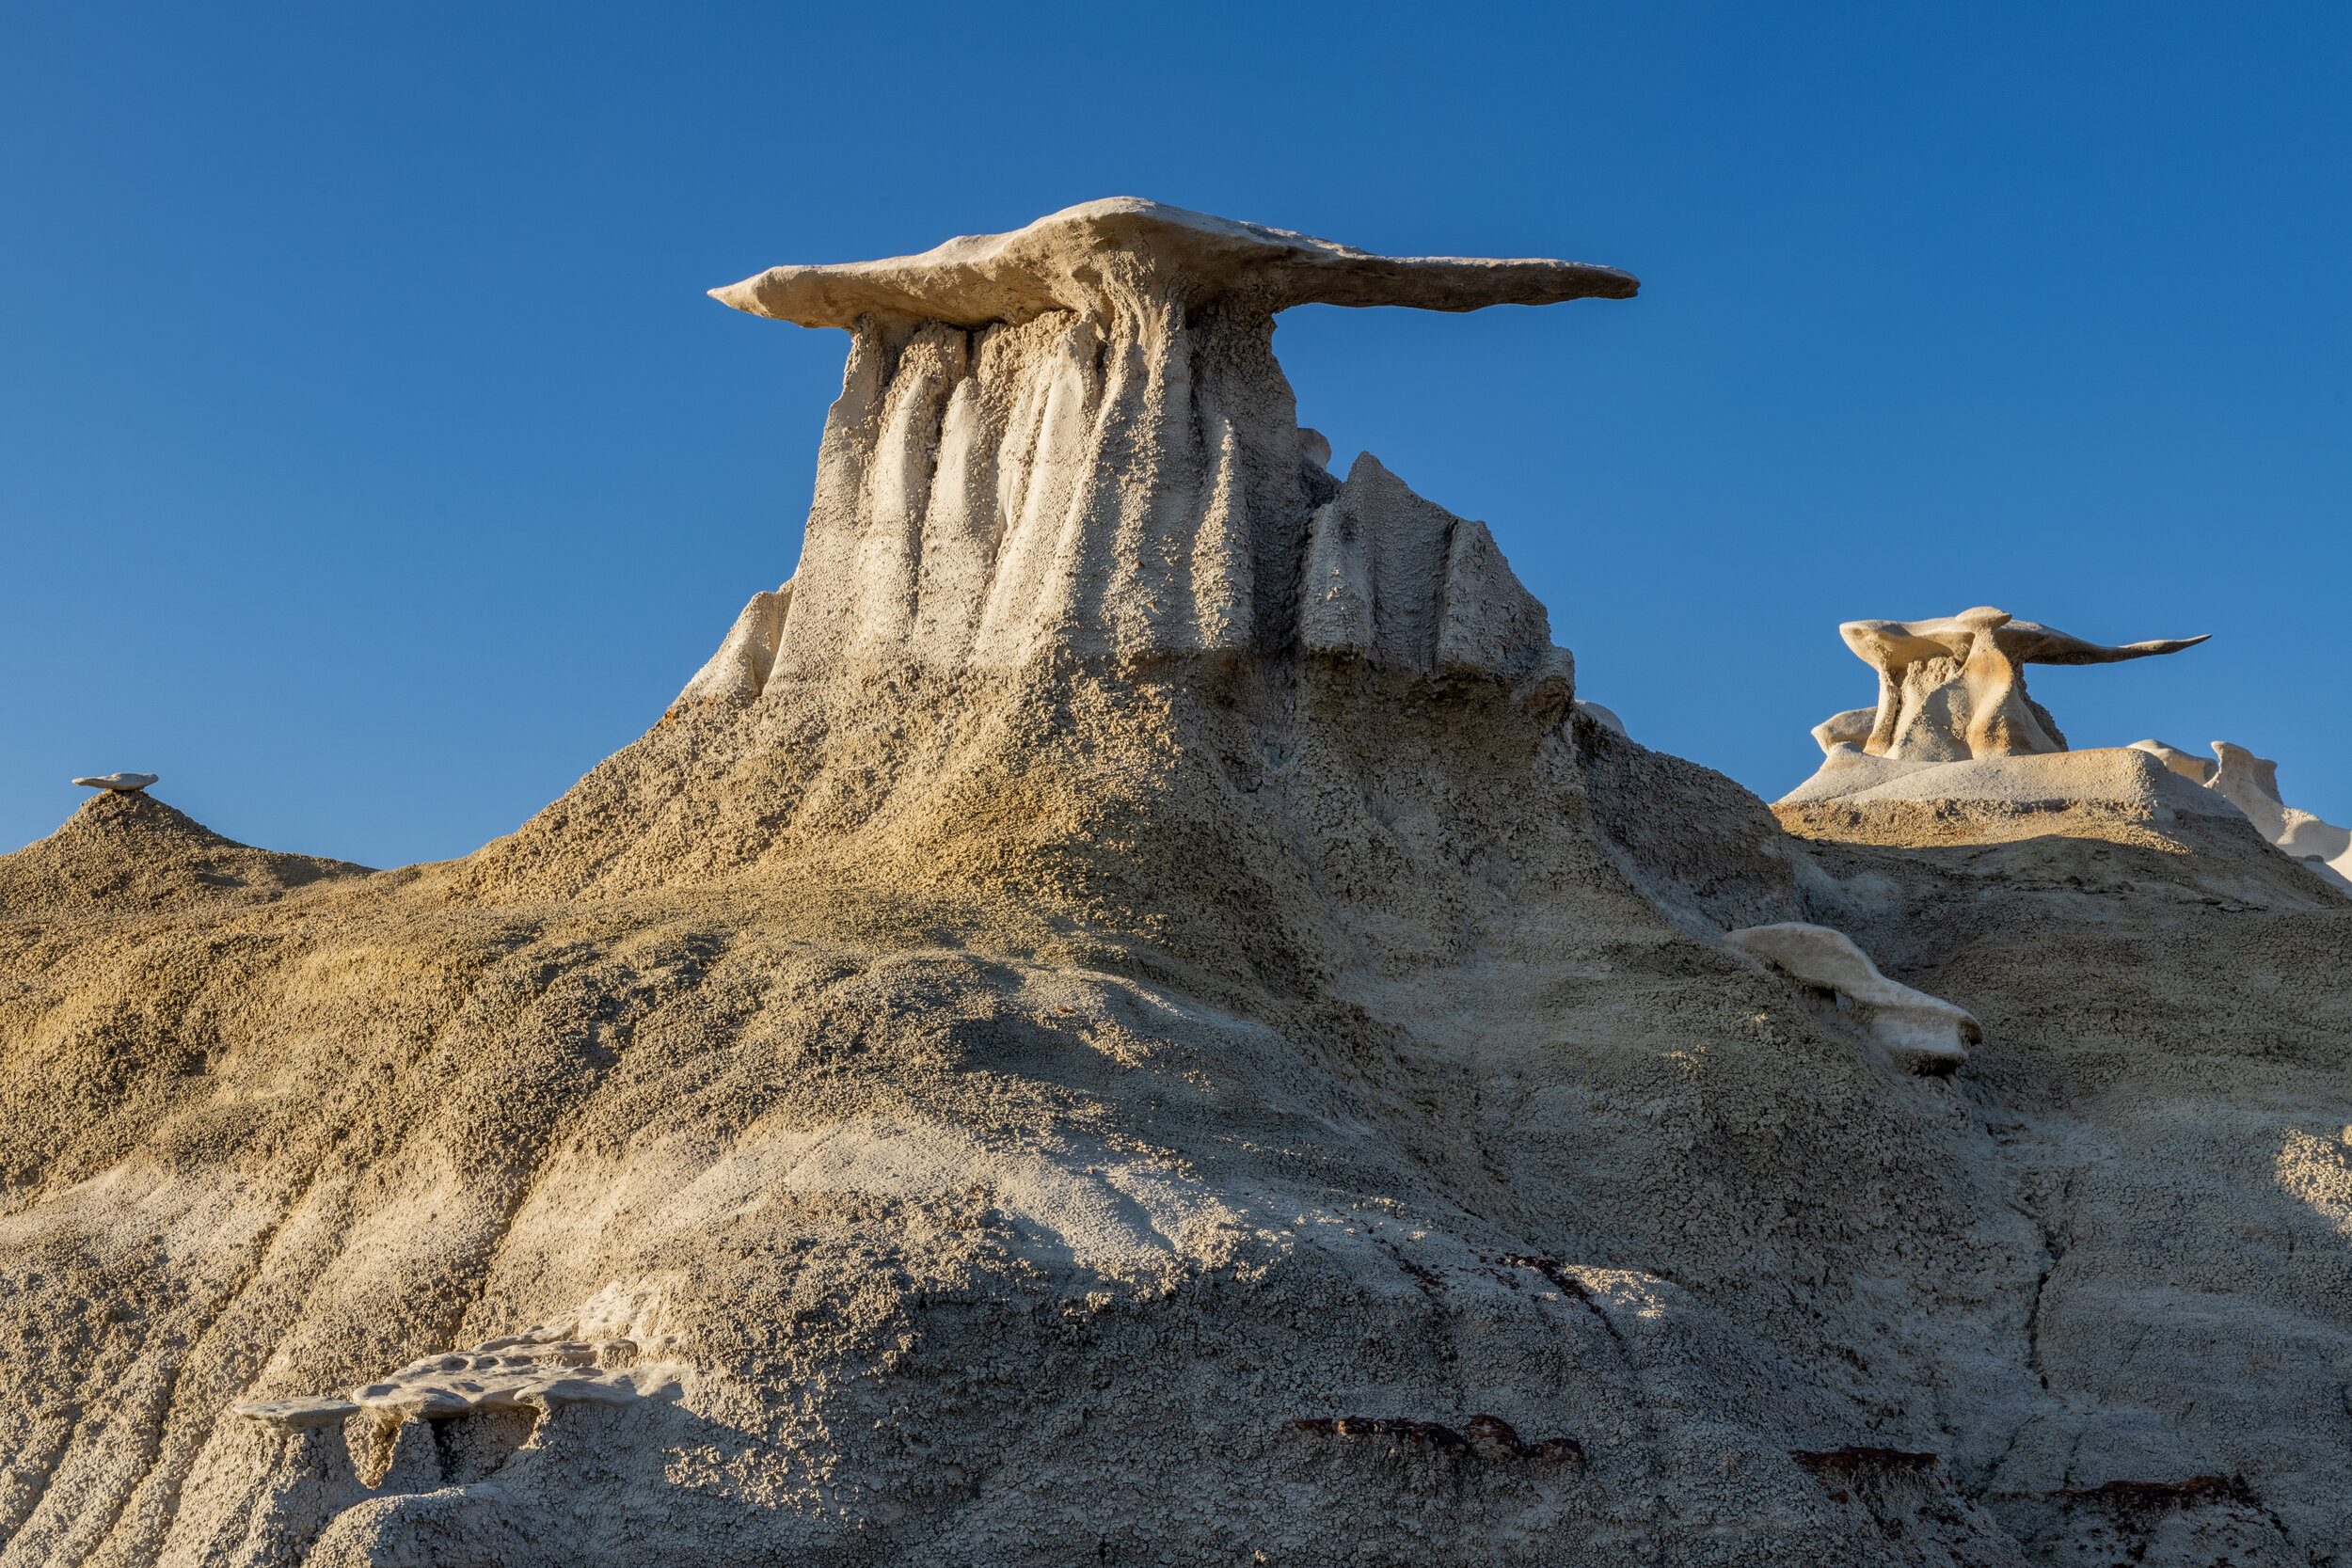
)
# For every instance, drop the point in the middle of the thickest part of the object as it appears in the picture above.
(1127, 1015)
(1955, 689)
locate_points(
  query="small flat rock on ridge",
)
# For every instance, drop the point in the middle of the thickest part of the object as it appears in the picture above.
(125, 783)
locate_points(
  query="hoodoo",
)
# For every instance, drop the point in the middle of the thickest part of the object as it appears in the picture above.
(1129, 1015)
(1064, 470)
(1074, 438)
(1955, 688)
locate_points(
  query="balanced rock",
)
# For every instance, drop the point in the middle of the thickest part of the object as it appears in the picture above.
(1955, 688)
(1074, 436)
(1956, 751)
(125, 784)
(1065, 475)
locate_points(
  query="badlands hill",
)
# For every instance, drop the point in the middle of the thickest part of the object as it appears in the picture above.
(1128, 1016)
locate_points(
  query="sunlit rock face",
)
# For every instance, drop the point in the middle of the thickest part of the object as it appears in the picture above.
(1065, 487)
(1126, 1015)
(1955, 689)
(1075, 439)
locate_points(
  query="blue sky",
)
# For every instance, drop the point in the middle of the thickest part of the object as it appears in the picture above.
(371, 464)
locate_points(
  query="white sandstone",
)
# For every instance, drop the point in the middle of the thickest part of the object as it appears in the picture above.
(739, 669)
(2123, 777)
(2188, 765)
(2252, 783)
(121, 784)
(1920, 1032)
(1073, 440)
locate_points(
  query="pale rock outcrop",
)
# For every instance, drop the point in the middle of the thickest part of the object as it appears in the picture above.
(1600, 715)
(539, 1367)
(1065, 475)
(2121, 776)
(2188, 765)
(1955, 688)
(2108, 792)
(1919, 1033)
(1073, 440)
(1850, 727)
(2252, 783)
(1404, 584)
(121, 784)
(739, 670)
(1956, 751)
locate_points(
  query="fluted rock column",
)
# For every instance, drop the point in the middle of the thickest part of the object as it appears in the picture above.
(1075, 439)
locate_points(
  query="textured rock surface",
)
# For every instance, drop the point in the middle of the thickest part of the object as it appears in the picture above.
(2252, 783)
(1920, 1032)
(2120, 793)
(1057, 1069)
(1955, 688)
(1057, 264)
(126, 852)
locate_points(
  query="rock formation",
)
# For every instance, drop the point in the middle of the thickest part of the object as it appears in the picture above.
(121, 784)
(1073, 440)
(1128, 1015)
(1921, 1033)
(2188, 765)
(1955, 689)
(2252, 783)
(125, 850)
(1600, 715)
(1956, 752)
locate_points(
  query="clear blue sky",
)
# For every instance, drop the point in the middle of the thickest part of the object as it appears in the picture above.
(371, 463)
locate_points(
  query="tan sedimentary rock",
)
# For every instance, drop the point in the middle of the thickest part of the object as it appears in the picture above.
(1103, 1055)
(1957, 752)
(739, 670)
(1955, 688)
(2188, 765)
(1075, 439)
(1165, 254)
(2252, 783)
